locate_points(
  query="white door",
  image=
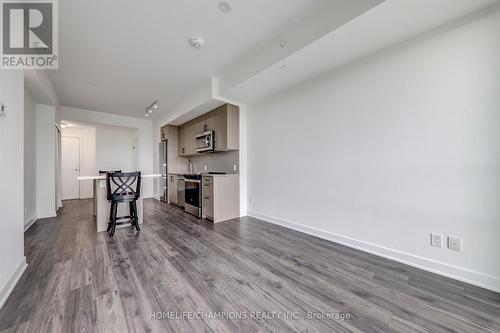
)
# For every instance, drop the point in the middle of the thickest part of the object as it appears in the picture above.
(70, 168)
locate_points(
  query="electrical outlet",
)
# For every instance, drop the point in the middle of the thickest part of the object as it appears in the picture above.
(454, 243)
(205, 167)
(235, 167)
(436, 240)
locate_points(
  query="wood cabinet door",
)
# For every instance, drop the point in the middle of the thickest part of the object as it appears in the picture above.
(180, 138)
(206, 123)
(172, 189)
(233, 127)
(208, 207)
(220, 128)
(163, 133)
(189, 139)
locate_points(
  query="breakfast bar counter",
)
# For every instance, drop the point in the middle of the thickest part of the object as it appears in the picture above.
(102, 205)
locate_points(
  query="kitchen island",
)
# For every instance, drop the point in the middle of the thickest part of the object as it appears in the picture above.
(102, 205)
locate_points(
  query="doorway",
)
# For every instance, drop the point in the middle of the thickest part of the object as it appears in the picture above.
(70, 167)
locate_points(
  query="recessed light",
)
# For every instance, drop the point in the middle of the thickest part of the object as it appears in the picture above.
(224, 6)
(196, 42)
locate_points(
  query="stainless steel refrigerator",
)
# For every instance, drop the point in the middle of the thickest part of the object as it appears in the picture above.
(163, 168)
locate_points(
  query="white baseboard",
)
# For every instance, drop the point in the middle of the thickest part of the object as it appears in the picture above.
(454, 272)
(11, 283)
(47, 215)
(28, 224)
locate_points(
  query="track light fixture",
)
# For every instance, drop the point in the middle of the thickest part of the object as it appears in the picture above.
(150, 107)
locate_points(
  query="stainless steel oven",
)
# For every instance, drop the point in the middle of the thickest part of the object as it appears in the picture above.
(205, 142)
(192, 194)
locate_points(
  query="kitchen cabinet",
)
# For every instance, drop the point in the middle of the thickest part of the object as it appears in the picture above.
(205, 123)
(164, 133)
(190, 133)
(181, 146)
(172, 189)
(224, 121)
(187, 140)
(187, 134)
(220, 197)
(227, 128)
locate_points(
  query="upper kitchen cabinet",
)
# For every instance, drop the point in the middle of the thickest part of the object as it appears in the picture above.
(181, 147)
(187, 134)
(204, 123)
(227, 128)
(164, 133)
(224, 121)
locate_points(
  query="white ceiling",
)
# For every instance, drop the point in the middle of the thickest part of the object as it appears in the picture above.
(117, 57)
(138, 51)
(391, 24)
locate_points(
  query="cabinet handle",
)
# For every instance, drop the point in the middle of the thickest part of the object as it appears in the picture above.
(208, 198)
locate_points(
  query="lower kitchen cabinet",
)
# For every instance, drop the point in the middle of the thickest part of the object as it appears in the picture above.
(172, 189)
(220, 197)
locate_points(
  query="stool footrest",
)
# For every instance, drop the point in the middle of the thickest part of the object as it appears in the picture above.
(123, 217)
(127, 222)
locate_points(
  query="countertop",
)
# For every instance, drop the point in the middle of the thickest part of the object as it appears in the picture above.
(208, 174)
(220, 175)
(104, 177)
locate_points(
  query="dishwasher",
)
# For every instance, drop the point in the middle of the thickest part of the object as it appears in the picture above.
(181, 185)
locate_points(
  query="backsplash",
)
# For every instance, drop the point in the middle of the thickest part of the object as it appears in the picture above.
(221, 162)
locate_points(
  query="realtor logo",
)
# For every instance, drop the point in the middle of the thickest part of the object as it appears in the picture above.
(29, 34)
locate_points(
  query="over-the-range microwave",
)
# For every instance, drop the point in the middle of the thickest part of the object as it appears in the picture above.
(205, 142)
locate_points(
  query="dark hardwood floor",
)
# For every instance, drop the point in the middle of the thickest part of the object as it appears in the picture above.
(257, 277)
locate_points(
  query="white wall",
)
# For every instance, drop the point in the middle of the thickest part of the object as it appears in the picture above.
(87, 136)
(116, 149)
(145, 136)
(45, 160)
(383, 152)
(30, 211)
(12, 257)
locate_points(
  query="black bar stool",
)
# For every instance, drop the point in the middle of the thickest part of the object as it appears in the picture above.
(103, 172)
(123, 188)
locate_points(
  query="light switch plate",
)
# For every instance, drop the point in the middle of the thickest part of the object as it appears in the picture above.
(436, 240)
(454, 243)
(3, 109)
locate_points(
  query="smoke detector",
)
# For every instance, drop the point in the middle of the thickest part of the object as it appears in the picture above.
(196, 42)
(224, 6)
